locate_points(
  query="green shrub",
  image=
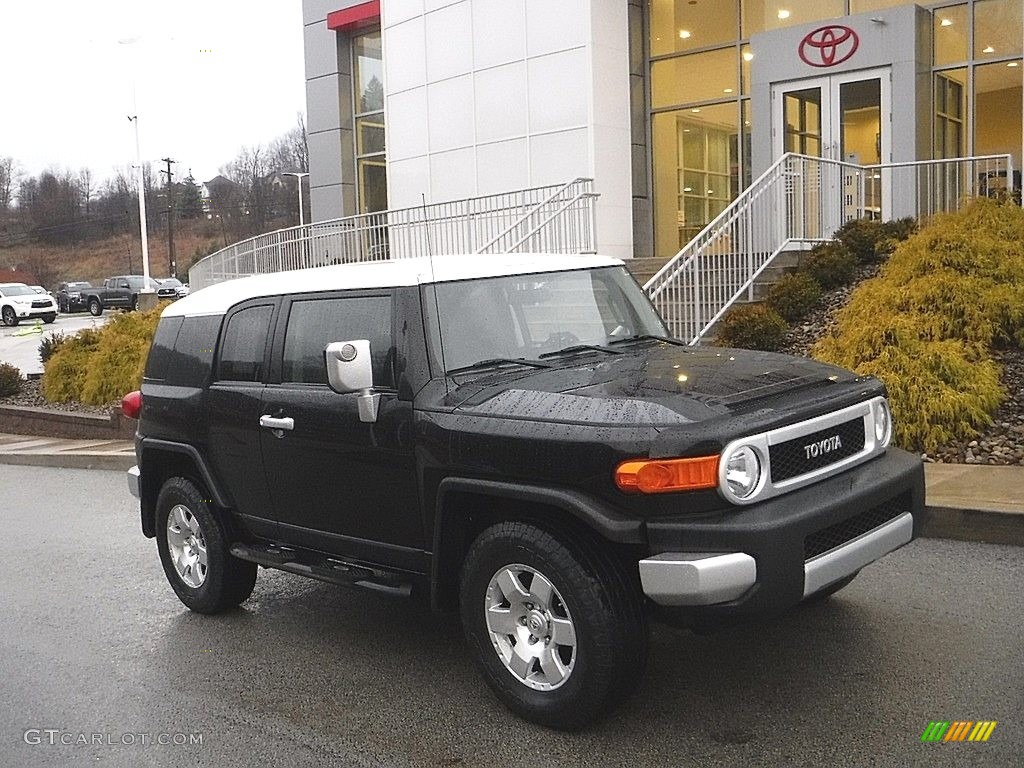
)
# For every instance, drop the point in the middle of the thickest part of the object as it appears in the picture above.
(794, 296)
(899, 229)
(926, 323)
(830, 264)
(860, 237)
(64, 373)
(117, 364)
(10, 380)
(50, 344)
(97, 367)
(752, 326)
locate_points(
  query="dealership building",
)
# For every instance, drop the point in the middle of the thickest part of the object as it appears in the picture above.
(673, 107)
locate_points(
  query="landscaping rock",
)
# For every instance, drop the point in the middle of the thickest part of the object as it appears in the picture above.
(31, 396)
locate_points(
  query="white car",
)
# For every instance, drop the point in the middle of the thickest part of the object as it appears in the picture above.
(19, 302)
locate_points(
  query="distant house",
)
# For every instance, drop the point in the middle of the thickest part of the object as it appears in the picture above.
(221, 196)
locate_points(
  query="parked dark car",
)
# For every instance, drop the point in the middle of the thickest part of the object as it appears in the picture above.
(71, 295)
(518, 439)
(122, 292)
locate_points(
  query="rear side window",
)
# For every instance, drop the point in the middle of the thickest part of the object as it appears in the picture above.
(245, 340)
(315, 323)
(162, 349)
(192, 359)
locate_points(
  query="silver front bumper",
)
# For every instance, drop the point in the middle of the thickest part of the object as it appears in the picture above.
(697, 579)
(829, 567)
(133, 482)
(685, 578)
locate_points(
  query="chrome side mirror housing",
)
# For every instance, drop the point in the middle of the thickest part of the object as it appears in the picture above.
(350, 369)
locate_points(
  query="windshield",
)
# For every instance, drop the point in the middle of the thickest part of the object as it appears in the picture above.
(529, 316)
(78, 286)
(171, 282)
(18, 290)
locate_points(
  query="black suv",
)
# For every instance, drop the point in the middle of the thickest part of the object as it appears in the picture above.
(518, 439)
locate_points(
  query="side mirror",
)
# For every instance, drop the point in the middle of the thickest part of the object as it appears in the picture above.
(350, 369)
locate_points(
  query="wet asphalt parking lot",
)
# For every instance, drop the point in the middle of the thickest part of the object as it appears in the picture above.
(93, 643)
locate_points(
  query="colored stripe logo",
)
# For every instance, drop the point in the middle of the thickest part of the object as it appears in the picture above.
(958, 730)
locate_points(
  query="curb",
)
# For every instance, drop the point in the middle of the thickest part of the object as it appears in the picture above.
(982, 525)
(70, 460)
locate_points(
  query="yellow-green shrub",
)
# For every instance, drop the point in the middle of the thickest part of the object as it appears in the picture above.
(64, 373)
(99, 366)
(925, 324)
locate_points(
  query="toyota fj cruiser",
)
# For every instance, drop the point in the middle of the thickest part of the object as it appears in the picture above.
(518, 438)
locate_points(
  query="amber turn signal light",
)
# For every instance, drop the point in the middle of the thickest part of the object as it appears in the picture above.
(665, 475)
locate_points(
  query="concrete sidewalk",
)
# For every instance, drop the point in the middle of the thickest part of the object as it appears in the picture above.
(968, 502)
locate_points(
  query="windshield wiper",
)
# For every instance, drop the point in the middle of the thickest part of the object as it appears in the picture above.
(649, 337)
(498, 361)
(580, 348)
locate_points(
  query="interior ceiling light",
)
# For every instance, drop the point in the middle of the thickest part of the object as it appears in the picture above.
(695, 110)
(684, 34)
(946, 23)
(988, 49)
(1012, 64)
(783, 13)
(748, 56)
(727, 90)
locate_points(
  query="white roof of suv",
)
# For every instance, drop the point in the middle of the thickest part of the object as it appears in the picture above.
(217, 299)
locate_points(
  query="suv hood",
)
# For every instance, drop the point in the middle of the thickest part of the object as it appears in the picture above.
(655, 384)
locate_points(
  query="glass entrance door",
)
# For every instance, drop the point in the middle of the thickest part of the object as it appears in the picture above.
(843, 118)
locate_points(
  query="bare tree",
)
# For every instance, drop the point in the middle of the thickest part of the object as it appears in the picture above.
(85, 188)
(8, 180)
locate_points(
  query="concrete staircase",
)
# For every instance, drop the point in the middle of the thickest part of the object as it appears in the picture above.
(643, 269)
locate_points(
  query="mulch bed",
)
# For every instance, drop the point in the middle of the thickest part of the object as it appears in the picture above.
(31, 396)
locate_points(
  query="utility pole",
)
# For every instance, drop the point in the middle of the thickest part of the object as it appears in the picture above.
(172, 267)
(298, 178)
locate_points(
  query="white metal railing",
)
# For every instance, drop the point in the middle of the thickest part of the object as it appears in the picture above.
(553, 219)
(801, 200)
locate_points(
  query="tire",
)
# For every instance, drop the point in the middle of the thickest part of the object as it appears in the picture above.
(135, 303)
(830, 590)
(50, 317)
(592, 603)
(95, 308)
(8, 316)
(185, 522)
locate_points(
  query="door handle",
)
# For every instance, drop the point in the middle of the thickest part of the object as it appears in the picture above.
(270, 422)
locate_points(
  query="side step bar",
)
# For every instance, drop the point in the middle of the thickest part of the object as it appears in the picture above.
(324, 568)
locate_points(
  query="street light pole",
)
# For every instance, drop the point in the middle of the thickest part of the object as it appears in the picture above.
(298, 178)
(142, 209)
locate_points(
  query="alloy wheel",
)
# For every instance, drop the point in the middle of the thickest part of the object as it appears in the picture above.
(187, 546)
(530, 627)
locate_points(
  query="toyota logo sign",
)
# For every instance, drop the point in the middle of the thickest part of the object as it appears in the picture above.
(828, 46)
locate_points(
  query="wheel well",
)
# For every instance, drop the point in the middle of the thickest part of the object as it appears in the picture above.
(157, 467)
(464, 515)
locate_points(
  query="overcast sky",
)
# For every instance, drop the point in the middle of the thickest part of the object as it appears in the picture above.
(210, 76)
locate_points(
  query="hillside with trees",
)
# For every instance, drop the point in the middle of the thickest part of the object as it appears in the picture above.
(63, 224)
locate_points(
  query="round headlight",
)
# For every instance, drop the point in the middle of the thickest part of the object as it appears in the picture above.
(883, 422)
(742, 472)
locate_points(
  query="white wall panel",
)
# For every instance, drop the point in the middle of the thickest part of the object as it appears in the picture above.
(556, 158)
(453, 174)
(449, 41)
(501, 108)
(502, 166)
(555, 26)
(499, 32)
(396, 11)
(406, 124)
(450, 113)
(558, 95)
(404, 60)
(407, 179)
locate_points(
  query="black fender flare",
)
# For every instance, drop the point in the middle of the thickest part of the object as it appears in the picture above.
(155, 444)
(593, 513)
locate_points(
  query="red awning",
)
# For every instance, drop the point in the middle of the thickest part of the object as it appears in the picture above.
(355, 17)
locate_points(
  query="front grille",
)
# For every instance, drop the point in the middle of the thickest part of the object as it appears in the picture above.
(836, 535)
(40, 304)
(797, 457)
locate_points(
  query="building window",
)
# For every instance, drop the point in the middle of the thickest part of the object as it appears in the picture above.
(368, 111)
(950, 109)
